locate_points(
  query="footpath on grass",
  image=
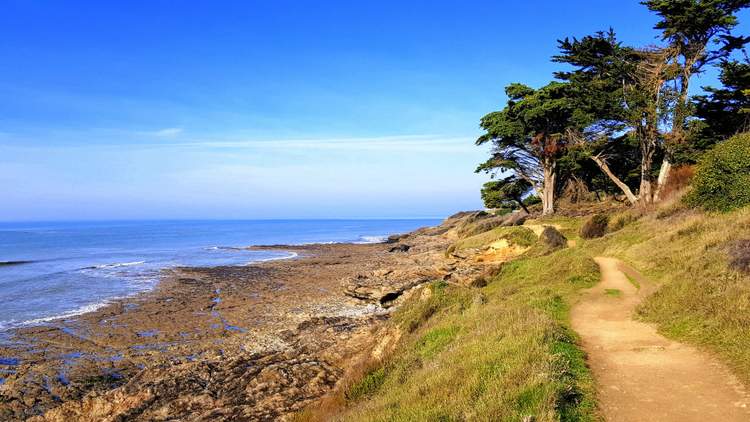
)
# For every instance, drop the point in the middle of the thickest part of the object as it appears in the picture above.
(641, 375)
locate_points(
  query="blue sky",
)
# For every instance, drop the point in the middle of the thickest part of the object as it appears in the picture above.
(266, 109)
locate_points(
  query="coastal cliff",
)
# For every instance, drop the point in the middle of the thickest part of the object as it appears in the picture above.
(469, 319)
(226, 343)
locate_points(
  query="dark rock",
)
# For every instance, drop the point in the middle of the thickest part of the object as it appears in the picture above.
(400, 248)
(516, 219)
(383, 286)
(395, 238)
(552, 238)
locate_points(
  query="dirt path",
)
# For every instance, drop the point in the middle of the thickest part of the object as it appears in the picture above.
(641, 375)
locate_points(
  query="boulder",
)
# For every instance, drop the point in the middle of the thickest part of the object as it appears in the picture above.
(383, 287)
(400, 248)
(552, 238)
(516, 219)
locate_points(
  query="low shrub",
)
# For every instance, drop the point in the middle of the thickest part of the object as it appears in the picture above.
(595, 226)
(679, 179)
(722, 179)
(620, 220)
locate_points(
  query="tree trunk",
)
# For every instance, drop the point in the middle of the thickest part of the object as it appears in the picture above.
(647, 158)
(548, 190)
(677, 134)
(620, 184)
(666, 168)
(522, 205)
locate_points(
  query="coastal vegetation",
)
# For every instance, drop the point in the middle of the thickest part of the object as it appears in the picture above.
(506, 351)
(625, 163)
(616, 111)
(613, 160)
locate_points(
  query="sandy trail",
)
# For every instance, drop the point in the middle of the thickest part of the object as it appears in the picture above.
(641, 375)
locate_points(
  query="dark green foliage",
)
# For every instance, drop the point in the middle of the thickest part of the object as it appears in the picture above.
(624, 162)
(530, 134)
(531, 200)
(689, 26)
(695, 21)
(723, 111)
(722, 180)
(621, 114)
(506, 193)
(595, 226)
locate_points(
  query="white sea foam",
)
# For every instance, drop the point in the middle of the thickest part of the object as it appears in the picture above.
(291, 255)
(372, 239)
(69, 314)
(119, 264)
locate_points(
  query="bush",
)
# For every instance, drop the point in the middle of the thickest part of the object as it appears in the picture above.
(722, 180)
(596, 226)
(621, 220)
(679, 179)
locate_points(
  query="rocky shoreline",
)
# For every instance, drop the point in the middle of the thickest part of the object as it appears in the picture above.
(255, 342)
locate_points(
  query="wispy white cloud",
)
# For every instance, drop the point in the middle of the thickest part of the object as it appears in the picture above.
(415, 143)
(170, 132)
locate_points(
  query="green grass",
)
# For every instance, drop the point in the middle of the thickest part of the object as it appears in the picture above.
(516, 235)
(512, 355)
(633, 281)
(508, 357)
(613, 292)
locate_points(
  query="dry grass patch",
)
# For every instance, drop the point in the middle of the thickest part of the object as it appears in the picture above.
(701, 298)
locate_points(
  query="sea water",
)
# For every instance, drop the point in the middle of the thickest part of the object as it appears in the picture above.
(58, 270)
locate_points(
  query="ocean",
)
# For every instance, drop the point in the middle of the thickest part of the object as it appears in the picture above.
(50, 271)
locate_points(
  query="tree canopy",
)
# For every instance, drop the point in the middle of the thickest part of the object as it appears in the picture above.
(624, 108)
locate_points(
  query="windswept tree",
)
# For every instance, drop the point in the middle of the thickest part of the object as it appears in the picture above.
(529, 136)
(620, 93)
(508, 192)
(690, 27)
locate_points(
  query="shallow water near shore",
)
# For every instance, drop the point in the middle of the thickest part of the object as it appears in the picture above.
(57, 270)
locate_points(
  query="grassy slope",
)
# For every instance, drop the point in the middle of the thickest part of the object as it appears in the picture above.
(700, 300)
(503, 352)
(520, 236)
